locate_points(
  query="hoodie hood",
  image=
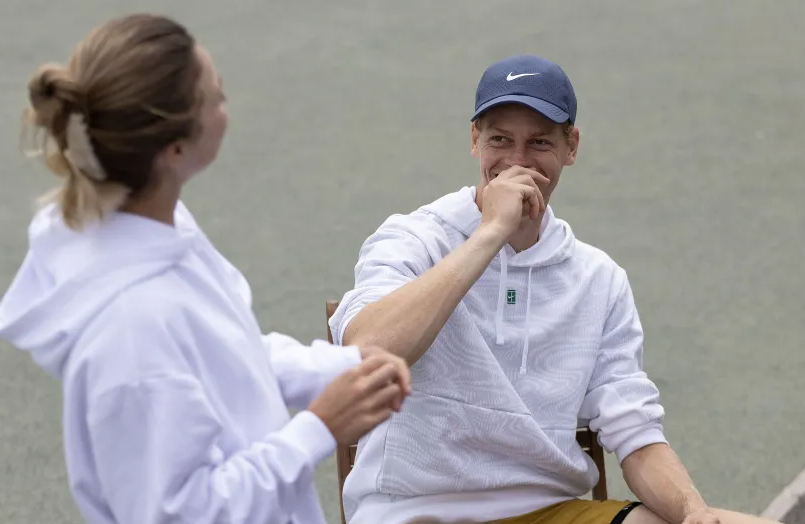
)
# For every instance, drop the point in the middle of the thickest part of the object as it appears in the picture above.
(67, 277)
(556, 244)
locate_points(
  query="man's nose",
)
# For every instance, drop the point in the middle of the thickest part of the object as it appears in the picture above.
(519, 157)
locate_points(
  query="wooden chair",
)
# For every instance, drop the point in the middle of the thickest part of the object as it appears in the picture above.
(345, 454)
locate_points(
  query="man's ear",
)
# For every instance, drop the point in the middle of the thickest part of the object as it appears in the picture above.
(573, 146)
(475, 134)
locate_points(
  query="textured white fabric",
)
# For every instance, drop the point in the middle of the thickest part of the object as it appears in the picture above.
(498, 397)
(175, 404)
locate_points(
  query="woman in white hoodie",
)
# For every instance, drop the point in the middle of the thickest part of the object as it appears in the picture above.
(176, 406)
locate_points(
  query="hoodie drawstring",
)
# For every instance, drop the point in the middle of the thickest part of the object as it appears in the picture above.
(502, 292)
(501, 298)
(527, 324)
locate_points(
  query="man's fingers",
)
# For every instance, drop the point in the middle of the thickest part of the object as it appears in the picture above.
(533, 203)
(536, 206)
(517, 173)
(542, 180)
(538, 178)
(528, 193)
(525, 180)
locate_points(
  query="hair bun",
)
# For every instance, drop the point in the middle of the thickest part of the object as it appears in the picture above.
(52, 93)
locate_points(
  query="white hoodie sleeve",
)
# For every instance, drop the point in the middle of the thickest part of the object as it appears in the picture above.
(156, 449)
(401, 249)
(304, 371)
(622, 404)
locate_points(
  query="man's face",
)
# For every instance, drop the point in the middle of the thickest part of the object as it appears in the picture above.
(514, 135)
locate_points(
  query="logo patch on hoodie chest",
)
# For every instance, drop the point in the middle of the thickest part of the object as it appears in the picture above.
(511, 296)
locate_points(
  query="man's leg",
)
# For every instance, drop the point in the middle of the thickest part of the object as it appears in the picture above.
(643, 515)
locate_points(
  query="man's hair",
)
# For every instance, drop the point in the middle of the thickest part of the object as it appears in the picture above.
(129, 90)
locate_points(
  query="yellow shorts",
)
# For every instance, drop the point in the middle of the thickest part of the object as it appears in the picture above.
(577, 511)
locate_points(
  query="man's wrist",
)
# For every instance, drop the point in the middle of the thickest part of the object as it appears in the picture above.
(694, 503)
(488, 238)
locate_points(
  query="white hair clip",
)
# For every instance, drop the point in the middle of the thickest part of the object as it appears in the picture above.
(79, 149)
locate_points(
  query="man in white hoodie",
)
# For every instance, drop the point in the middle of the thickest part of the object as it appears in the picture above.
(517, 333)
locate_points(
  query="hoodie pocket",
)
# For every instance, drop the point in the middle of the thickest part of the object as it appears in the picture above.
(439, 445)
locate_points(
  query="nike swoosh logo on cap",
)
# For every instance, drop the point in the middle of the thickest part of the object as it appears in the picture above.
(514, 77)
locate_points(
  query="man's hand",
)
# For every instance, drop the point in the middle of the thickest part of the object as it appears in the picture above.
(512, 195)
(407, 321)
(702, 516)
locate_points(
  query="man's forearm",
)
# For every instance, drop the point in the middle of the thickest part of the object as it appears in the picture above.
(656, 475)
(407, 321)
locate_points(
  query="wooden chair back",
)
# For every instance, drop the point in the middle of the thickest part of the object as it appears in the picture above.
(345, 454)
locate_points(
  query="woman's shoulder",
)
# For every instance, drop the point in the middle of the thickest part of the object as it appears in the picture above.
(140, 332)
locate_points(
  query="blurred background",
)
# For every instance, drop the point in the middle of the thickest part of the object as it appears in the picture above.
(690, 175)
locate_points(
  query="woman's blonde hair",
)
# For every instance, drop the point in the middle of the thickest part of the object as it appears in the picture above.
(129, 90)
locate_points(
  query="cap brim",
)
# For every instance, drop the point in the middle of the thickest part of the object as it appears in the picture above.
(540, 106)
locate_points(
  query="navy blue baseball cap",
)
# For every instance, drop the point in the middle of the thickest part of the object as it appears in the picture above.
(531, 81)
